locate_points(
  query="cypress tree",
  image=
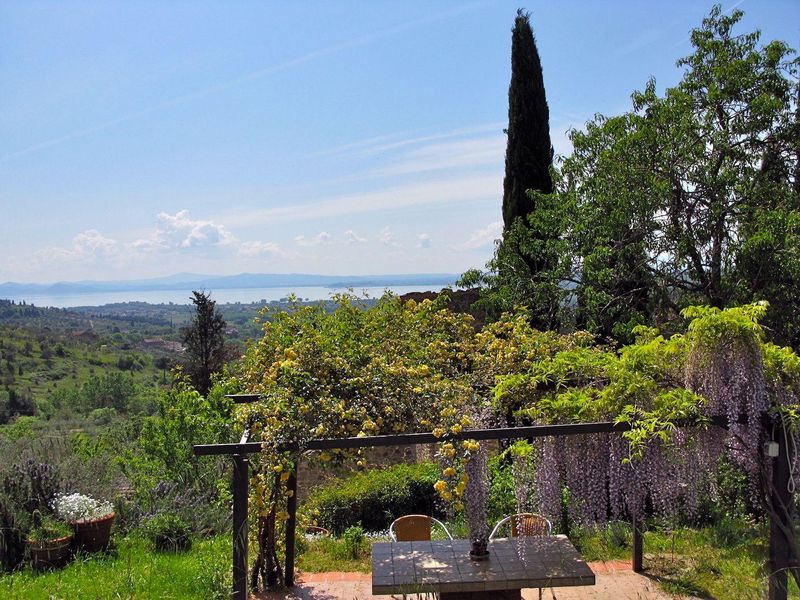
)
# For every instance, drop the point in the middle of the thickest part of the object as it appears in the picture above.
(529, 152)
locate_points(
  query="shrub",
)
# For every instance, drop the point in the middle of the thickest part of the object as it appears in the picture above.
(14, 527)
(373, 499)
(32, 486)
(353, 539)
(169, 532)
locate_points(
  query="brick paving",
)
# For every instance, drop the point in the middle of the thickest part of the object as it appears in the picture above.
(615, 581)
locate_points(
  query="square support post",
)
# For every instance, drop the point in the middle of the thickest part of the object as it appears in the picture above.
(781, 501)
(291, 525)
(241, 477)
(638, 548)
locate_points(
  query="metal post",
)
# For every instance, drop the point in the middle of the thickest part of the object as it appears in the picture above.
(638, 548)
(291, 525)
(781, 504)
(240, 492)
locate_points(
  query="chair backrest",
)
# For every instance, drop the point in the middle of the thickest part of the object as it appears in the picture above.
(524, 525)
(529, 525)
(412, 528)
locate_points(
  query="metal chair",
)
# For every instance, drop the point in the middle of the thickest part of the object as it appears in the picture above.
(524, 525)
(414, 528)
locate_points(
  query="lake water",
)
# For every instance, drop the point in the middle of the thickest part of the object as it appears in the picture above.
(243, 295)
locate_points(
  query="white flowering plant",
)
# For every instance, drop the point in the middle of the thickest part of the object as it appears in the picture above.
(79, 507)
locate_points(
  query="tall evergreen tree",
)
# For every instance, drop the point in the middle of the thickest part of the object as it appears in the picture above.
(529, 152)
(204, 340)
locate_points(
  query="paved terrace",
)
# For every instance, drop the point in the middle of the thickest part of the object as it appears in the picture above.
(615, 581)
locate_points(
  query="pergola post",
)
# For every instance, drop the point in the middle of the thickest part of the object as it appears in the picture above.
(240, 492)
(637, 561)
(780, 522)
(291, 525)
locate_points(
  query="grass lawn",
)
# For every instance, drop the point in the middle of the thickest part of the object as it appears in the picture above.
(133, 570)
(724, 562)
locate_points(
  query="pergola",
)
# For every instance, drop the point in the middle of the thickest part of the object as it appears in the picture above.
(777, 562)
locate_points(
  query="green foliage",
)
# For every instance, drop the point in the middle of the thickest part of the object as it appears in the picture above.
(46, 528)
(529, 152)
(14, 526)
(169, 532)
(373, 499)
(688, 198)
(204, 339)
(353, 538)
(501, 491)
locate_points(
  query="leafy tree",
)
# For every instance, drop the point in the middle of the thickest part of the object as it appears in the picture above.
(204, 340)
(689, 198)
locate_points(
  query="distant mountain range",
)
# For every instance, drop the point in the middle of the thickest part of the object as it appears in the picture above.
(193, 281)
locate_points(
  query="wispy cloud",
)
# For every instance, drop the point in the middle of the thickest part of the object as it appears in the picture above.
(353, 238)
(451, 190)
(481, 238)
(245, 78)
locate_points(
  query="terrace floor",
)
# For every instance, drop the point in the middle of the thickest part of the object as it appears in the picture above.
(615, 581)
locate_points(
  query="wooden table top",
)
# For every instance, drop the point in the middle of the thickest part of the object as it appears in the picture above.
(445, 566)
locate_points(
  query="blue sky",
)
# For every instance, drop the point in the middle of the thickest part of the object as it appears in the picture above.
(140, 139)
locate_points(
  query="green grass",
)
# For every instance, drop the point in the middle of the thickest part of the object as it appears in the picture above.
(134, 570)
(331, 554)
(725, 562)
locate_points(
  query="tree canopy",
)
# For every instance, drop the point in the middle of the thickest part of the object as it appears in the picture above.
(691, 197)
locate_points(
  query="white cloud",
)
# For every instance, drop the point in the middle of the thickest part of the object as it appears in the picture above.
(353, 238)
(387, 237)
(181, 231)
(423, 240)
(321, 239)
(88, 245)
(93, 242)
(482, 237)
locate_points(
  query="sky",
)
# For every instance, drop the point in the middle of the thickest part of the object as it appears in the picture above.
(142, 139)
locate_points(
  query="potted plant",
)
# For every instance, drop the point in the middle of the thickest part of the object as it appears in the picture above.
(48, 542)
(91, 520)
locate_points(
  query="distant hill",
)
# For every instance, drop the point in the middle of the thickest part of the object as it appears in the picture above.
(184, 281)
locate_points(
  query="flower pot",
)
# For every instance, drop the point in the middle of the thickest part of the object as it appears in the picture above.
(479, 551)
(93, 536)
(49, 554)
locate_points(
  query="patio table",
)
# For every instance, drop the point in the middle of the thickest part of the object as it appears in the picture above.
(444, 567)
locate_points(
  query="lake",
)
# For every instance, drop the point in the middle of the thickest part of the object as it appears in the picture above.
(243, 295)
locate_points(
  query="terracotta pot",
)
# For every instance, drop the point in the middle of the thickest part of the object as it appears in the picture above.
(92, 536)
(50, 554)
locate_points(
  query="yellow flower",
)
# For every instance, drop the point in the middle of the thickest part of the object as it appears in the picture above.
(458, 505)
(284, 476)
(282, 516)
(438, 432)
(449, 472)
(440, 486)
(277, 468)
(456, 429)
(466, 421)
(447, 496)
